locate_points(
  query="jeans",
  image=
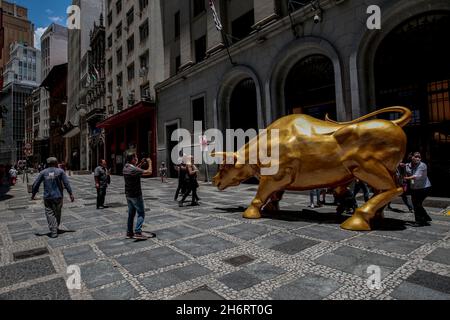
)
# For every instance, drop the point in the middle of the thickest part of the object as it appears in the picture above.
(101, 194)
(53, 209)
(418, 196)
(135, 205)
(361, 186)
(311, 196)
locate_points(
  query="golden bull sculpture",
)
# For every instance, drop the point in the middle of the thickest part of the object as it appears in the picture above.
(316, 154)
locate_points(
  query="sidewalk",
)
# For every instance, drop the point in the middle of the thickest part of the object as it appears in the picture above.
(211, 252)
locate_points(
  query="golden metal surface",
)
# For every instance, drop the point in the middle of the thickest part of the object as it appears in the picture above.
(316, 154)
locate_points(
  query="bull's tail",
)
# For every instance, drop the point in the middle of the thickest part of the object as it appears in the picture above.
(401, 122)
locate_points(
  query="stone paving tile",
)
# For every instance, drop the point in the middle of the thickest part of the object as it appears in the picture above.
(173, 277)
(264, 271)
(25, 271)
(203, 245)
(325, 233)
(310, 257)
(55, 289)
(123, 291)
(118, 246)
(150, 260)
(99, 273)
(410, 234)
(239, 280)
(73, 238)
(356, 261)
(310, 287)
(430, 280)
(411, 291)
(19, 227)
(209, 222)
(175, 233)
(386, 244)
(246, 231)
(77, 255)
(199, 294)
(440, 255)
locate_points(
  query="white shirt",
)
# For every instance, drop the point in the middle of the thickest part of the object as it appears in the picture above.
(420, 175)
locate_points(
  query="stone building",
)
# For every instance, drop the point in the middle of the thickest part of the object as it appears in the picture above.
(22, 76)
(78, 47)
(315, 58)
(134, 64)
(96, 95)
(15, 28)
(53, 53)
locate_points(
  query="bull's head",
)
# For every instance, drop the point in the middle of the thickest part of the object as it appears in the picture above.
(231, 175)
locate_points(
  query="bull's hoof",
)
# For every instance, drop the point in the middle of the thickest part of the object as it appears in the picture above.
(252, 213)
(356, 223)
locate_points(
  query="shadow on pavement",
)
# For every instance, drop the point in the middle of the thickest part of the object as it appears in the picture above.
(306, 215)
(49, 233)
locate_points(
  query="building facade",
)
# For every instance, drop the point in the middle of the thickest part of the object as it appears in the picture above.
(56, 84)
(94, 81)
(134, 64)
(21, 75)
(316, 58)
(53, 52)
(16, 28)
(78, 47)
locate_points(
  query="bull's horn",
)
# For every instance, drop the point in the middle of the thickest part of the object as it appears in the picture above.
(224, 155)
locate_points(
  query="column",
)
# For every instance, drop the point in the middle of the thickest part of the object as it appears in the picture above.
(185, 36)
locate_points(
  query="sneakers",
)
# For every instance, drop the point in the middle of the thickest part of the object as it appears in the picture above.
(130, 235)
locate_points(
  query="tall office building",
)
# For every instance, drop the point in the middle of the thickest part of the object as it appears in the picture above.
(22, 76)
(16, 28)
(78, 46)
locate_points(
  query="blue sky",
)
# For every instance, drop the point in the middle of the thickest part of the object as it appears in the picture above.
(43, 12)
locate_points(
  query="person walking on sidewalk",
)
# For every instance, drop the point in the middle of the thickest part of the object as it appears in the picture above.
(54, 179)
(420, 188)
(182, 179)
(102, 177)
(132, 174)
(192, 184)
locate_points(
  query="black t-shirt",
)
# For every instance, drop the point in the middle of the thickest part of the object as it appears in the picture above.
(132, 176)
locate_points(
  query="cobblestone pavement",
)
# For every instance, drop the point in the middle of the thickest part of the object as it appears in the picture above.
(211, 252)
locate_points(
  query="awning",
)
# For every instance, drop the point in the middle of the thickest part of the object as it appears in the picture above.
(72, 133)
(132, 113)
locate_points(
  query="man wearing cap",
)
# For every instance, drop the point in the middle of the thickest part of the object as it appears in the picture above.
(55, 180)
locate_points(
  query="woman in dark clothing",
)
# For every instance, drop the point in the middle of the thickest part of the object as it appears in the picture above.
(192, 185)
(182, 180)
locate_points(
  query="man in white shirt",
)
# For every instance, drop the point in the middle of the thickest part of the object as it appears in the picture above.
(420, 188)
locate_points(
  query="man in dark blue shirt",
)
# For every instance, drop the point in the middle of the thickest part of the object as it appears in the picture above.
(55, 180)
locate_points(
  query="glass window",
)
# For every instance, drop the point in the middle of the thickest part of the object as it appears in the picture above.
(144, 30)
(130, 44)
(199, 7)
(130, 72)
(177, 24)
(119, 30)
(130, 16)
(119, 6)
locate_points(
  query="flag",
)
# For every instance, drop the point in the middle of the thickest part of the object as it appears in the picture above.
(96, 72)
(219, 26)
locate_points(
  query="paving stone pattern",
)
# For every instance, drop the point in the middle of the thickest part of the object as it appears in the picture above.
(211, 252)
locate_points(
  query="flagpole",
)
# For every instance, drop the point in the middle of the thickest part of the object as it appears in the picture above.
(225, 38)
